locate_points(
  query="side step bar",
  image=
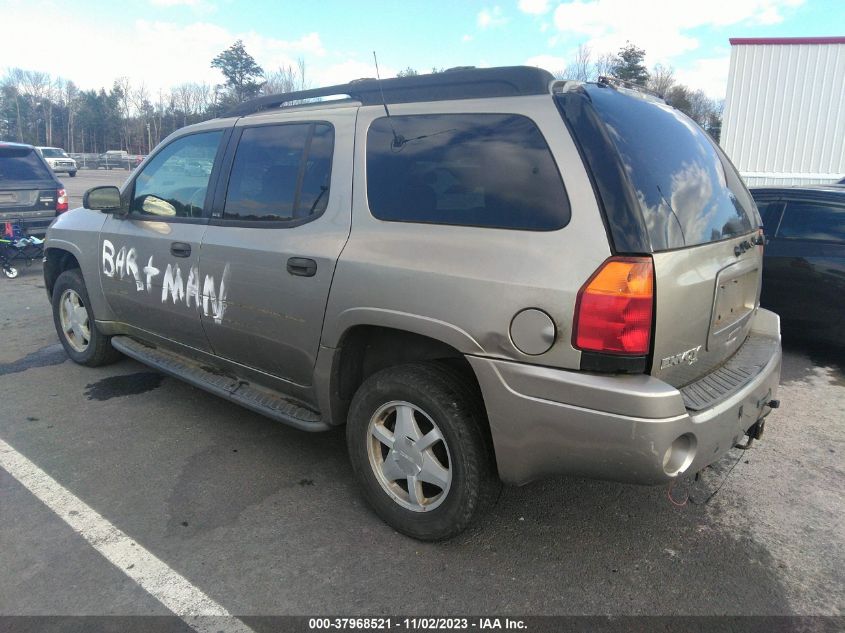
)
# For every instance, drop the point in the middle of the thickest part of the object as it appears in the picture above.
(257, 399)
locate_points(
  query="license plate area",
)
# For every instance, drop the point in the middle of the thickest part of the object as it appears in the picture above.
(734, 302)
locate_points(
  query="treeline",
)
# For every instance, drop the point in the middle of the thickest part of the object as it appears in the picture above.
(39, 109)
(628, 65)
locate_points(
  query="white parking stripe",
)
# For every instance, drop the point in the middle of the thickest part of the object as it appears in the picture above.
(171, 589)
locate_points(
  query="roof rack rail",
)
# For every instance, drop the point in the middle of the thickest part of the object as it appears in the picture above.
(630, 85)
(460, 83)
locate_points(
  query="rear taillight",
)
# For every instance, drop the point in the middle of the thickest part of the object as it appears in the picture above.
(614, 309)
(61, 201)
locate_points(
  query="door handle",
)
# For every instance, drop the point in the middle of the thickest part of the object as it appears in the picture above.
(180, 249)
(302, 266)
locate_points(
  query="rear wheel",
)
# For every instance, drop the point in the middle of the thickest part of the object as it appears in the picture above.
(10, 271)
(74, 321)
(417, 446)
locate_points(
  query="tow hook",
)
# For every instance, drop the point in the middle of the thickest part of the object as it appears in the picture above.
(754, 432)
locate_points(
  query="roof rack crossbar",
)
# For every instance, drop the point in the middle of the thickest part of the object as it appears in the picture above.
(463, 83)
(630, 85)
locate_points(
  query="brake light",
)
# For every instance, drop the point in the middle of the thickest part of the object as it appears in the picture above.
(61, 201)
(614, 309)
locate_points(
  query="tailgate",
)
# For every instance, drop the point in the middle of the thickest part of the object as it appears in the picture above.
(679, 194)
(705, 298)
(27, 203)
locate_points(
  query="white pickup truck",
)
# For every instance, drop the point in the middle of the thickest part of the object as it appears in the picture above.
(58, 160)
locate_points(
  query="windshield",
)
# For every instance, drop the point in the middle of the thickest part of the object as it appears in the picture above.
(688, 191)
(53, 152)
(21, 163)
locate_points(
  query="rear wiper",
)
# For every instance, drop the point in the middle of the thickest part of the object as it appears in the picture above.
(400, 141)
(674, 215)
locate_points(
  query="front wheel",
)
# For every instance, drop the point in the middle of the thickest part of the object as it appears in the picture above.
(10, 271)
(74, 321)
(72, 174)
(417, 444)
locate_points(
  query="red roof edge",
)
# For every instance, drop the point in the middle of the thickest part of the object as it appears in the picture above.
(786, 40)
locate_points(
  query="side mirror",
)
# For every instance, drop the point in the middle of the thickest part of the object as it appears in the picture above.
(105, 199)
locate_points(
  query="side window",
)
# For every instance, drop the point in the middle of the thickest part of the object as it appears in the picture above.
(813, 221)
(174, 183)
(489, 170)
(770, 215)
(280, 172)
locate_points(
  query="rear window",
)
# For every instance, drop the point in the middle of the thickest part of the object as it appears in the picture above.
(688, 191)
(488, 170)
(21, 163)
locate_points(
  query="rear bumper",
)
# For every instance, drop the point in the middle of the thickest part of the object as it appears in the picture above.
(548, 421)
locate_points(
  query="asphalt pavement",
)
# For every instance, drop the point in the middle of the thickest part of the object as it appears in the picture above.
(267, 520)
(87, 178)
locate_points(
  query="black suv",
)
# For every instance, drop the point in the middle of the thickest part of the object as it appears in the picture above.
(30, 194)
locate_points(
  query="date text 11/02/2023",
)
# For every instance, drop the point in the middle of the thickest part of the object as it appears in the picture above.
(417, 624)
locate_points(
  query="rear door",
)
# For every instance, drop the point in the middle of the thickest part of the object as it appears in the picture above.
(277, 230)
(150, 258)
(804, 279)
(702, 227)
(28, 188)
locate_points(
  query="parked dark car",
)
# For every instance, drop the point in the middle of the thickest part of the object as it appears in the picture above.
(804, 265)
(30, 193)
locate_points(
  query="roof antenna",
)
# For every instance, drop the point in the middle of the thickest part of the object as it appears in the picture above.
(398, 139)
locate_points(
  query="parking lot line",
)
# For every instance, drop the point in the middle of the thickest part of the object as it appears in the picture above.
(171, 589)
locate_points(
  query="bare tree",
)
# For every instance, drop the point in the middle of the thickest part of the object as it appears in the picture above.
(123, 86)
(14, 82)
(183, 96)
(285, 79)
(71, 95)
(581, 67)
(36, 86)
(604, 65)
(661, 80)
(701, 107)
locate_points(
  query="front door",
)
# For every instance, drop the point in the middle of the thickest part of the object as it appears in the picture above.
(279, 230)
(149, 258)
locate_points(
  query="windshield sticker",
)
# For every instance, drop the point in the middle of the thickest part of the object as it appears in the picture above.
(210, 298)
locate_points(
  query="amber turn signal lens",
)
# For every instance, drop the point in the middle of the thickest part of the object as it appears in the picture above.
(614, 310)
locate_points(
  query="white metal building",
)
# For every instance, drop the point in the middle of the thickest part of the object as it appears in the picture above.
(784, 121)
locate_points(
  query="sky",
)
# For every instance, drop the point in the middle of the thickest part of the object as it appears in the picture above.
(161, 43)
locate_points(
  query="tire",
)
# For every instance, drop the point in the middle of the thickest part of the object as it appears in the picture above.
(437, 399)
(72, 174)
(79, 335)
(11, 272)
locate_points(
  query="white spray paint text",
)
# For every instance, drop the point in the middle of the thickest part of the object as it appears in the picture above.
(124, 263)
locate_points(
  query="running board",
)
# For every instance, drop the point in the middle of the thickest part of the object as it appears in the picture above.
(257, 399)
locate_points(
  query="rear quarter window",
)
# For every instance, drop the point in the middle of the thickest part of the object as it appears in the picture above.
(486, 170)
(688, 191)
